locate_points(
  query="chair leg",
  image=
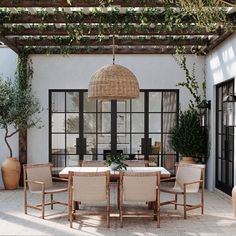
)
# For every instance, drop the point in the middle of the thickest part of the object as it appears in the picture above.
(51, 201)
(185, 207)
(108, 213)
(158, 214)
(176, 200)
(158, 206)
(118, 195)
(71, 215)
(202, 200)
(121, 216)
(108, 201)
(25, 198)
(70, 207)
(43, 204)
(155, 212)
(121, 207)
(75, 206)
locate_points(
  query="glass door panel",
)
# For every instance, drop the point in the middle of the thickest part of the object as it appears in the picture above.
(137, 122)
(224, 140)
(72, 102)
(138, 104)
(155, 101)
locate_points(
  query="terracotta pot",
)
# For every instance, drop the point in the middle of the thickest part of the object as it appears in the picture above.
(234, 199)
(11, 173)
(188, 160)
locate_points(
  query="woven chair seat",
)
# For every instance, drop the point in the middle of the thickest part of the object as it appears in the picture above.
(53, 189)
(171, 190)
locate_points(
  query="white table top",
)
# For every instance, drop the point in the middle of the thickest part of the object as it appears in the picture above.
(65, 171)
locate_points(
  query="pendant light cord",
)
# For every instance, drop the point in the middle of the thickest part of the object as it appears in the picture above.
(113, 50)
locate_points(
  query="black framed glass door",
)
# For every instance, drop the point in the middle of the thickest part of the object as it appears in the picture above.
(85, 129)
(224, 141)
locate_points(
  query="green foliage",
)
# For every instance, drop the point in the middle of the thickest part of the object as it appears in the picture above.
(116, 159)
(189, 138)
(190, 83)
(205, 12)
(18, 105)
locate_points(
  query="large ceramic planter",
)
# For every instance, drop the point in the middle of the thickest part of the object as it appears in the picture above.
(187, 160)
(234, 199)
(10, 173)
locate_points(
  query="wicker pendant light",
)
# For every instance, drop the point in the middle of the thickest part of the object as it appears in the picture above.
(113, 82)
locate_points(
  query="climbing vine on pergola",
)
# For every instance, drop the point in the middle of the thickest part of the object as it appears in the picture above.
(82, 27)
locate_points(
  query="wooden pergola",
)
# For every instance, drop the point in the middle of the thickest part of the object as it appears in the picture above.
(57, 26)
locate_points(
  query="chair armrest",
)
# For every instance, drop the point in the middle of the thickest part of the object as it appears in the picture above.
(62, 179)
(194, 182)
(34, 182)
(168, 179)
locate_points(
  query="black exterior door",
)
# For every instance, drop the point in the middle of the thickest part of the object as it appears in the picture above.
(224, 141)
(85, 129)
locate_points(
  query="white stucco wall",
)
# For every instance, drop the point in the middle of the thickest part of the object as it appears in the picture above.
(7, 70)
(220, 67)
(75, 71)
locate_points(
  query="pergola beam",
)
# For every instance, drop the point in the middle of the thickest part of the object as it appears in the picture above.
(79, 3)
(108, 50)
(52, 30)
(107, 42)
(215, 42)
(102, 18)
(10, 44)
(74, 17)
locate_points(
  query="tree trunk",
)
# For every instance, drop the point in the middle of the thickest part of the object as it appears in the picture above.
(6, 141)
(22, 151)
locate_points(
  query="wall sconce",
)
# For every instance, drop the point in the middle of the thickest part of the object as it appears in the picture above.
(228, 109)
(203, 107)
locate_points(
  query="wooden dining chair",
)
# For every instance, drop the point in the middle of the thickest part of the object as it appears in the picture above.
(38, 178)
(140, 187)
(89, 187)
(189, 178)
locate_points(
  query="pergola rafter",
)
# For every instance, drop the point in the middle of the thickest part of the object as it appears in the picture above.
(86, 41)
(108, 49)
(51, 30)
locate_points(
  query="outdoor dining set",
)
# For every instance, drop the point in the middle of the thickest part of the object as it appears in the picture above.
(91, 183)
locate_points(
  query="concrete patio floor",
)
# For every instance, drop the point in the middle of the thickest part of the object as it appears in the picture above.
(217, 220)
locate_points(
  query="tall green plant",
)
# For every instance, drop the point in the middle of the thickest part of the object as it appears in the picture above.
(18, 105)
(189, 138)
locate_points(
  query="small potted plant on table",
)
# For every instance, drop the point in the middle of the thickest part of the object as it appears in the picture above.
(116, 161)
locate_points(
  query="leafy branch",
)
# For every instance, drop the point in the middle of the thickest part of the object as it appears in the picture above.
(191, 83)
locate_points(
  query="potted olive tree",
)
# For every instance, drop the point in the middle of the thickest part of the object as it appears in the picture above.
(17, 110)
(189, 138)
